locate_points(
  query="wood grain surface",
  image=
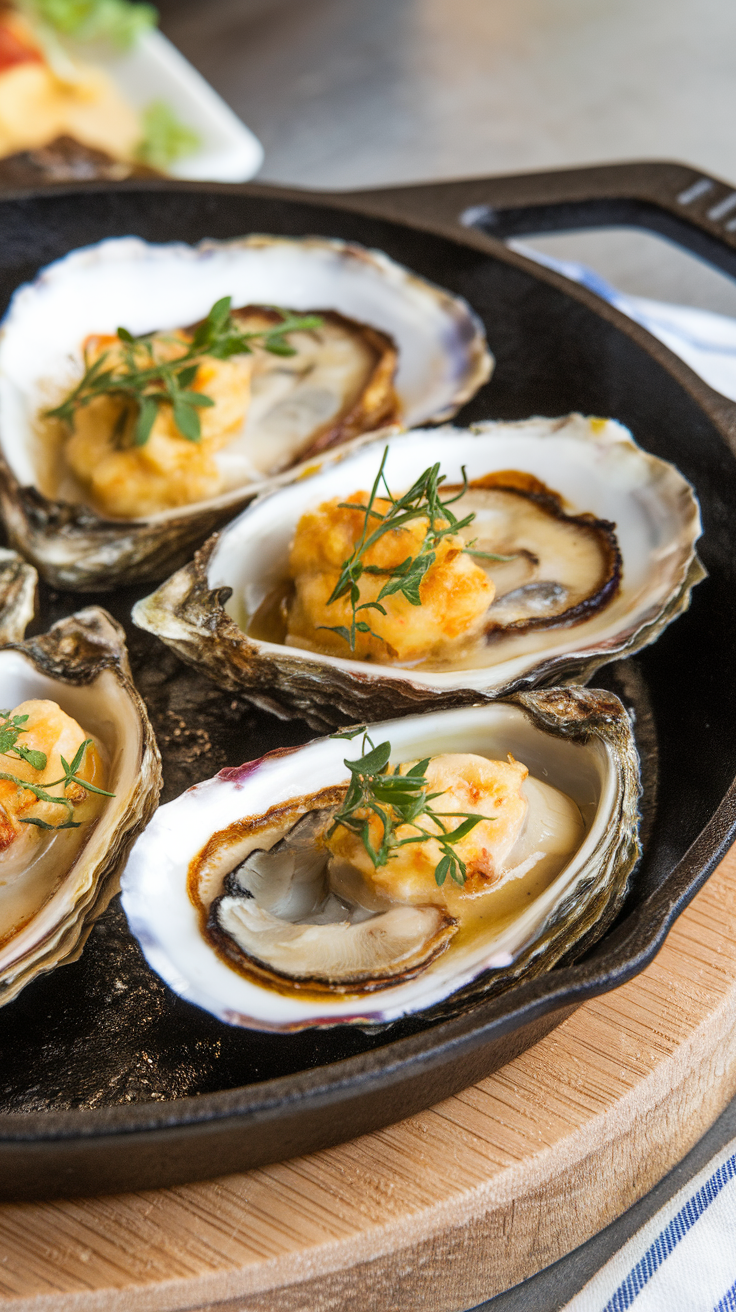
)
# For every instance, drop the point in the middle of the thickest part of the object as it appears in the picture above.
(446, 1208)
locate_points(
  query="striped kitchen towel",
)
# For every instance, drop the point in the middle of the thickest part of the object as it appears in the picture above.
(683, 1260)
(704, 340)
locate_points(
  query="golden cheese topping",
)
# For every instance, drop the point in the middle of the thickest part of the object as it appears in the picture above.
(168, 470)
(455, 592)
(50, 730)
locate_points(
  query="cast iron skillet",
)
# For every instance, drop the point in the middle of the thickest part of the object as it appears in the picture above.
(109, 1082)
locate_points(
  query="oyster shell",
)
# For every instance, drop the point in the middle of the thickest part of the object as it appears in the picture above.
(226, 891)
(18, 588)
(205, 610)
(82, 665)
(443, 360)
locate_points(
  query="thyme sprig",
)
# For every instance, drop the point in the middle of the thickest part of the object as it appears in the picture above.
(398, 799)
(147, 382)
(422, 501)
(11, 727)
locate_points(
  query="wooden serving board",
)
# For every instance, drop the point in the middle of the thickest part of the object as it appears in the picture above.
(445, 1209)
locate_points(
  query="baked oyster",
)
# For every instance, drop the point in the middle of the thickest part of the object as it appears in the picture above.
(80, 776)
(454, 854)
(551, 547)
(123, 448)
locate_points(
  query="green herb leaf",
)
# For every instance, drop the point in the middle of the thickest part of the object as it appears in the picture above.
(197, 399)
(422, 501)
(147, 411)
(398, 799)
(165, 138)
(90, 788)
(442, 869)
(339, 629)
(186, 377)
(187, 420)
(489, 555)
(278, 347)
(144, 379)
(373, 762)
(462, 830)
(457, 870)
(42, 824)
(220, 312)
(34, 758)
(8, 738)
(78, 758)
(11, 727)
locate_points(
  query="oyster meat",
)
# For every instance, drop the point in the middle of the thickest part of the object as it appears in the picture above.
(62, 844)
(582, 547)
(273, 910)
(109, 503)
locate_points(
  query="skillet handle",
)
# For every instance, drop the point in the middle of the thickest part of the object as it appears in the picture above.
(682, 203)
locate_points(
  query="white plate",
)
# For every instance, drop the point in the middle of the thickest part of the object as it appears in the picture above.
(155, 70)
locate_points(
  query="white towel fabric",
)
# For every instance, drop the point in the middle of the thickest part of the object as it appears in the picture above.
(683, 1260)
(704, 340)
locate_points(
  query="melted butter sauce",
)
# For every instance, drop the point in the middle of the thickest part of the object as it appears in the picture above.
(269, 623)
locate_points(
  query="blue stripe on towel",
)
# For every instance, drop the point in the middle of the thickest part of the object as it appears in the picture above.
(669, 1238)
(728, 1302)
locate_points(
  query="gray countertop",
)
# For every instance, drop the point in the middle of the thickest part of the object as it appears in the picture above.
(359, 92)
(355, 93)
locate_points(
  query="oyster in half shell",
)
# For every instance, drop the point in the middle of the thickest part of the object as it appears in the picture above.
(246, 903)
(341, 383)
(54, 885)
(597, 546)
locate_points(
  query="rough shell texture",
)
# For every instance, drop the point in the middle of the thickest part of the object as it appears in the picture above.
(579, 740)
(82, 664)
(18, 590)
(594, 464)
(443, 360)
